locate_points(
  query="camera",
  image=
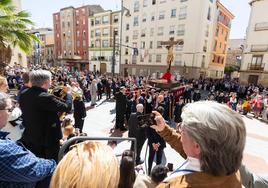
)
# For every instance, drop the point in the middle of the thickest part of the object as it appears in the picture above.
(146, 120)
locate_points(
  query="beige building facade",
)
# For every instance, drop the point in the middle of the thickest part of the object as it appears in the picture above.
(103, 27)
(18, 56)
(254, 67)
(154, 21)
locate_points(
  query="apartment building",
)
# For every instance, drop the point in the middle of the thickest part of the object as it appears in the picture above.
(71, 35)
(220, 42)
(42, 53)
(254, 67)
(103, 27)
(154, 21)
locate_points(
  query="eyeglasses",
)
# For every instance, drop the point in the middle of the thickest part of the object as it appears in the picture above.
(8, 109)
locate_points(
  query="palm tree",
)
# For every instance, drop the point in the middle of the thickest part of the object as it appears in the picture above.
(13, 26)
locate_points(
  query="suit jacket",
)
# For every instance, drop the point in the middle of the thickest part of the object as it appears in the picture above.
(40, 116)
(196, 179)
(133, 127)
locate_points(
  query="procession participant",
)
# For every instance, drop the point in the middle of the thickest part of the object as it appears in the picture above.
(40, 116)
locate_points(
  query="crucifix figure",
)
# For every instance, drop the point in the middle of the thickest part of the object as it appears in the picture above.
(169, 45)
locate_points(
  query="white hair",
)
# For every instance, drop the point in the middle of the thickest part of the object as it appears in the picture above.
(220, 133)
(139, 107)
(38, 77)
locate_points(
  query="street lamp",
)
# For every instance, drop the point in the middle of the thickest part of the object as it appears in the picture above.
(123, 9)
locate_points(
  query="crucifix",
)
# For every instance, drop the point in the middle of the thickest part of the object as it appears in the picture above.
(169, 45)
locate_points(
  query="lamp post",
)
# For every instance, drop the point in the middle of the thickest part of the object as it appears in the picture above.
(121, 27)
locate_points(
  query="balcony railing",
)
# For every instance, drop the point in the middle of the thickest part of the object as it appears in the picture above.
(261, 26)
(256, 66)
(259, 48)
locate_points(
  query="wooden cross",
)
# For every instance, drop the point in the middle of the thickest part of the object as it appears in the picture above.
(169, 45)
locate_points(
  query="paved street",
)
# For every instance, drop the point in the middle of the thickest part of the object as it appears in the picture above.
(99, 122)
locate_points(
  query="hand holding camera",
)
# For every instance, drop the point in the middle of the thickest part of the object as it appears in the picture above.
(159, 122)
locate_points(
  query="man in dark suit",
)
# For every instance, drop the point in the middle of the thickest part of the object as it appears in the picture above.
(40, 116)
(120, 109)
(135, 131)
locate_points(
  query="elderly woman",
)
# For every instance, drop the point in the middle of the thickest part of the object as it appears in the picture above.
(211, 137)
(87, 164)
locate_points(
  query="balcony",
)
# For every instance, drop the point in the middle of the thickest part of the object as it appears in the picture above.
(225, 22)
(259, 48)
(259, 67)
(261, 26)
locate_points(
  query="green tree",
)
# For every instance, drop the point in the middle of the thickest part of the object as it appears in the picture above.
(13, 31)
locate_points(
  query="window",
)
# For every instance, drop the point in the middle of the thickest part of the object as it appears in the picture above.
(143, 32)
(77, 12)
(211, 1)
(105, 43)
(161, 15)
(136, 21)
(207, 31)
(159, 44)
(116, 18)
(173, 13)
(69, 43)
(98, 43)
(127, 26)
(105, 19)
(158, 58)
(151, 44)
(179, 48)
(183, 13)
(68, 23)
(215, 46)
(105, 32)
(256, 60)
(226, 36)
(205, 46)
(77, 33)
(84, 34)
(181, 30)
(172, 30)
(62, 24)
(77, 22)
(97, 20)
(135, 34)
(92, 34)
(127, 39)
(92, 22)
(183, 0)
(98, 33)
(84, 43)
(136, 6)
(217, 31)
(152, 32)
(152, 17)
(160, 31)
(178, 61)
(144, 18)
(163, 1)
(145, 3)
(142, 45)
(150, 58)
(209, 14)
(153, 2)
(78, 43)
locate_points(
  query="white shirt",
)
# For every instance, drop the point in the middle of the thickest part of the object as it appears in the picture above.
(189, 166)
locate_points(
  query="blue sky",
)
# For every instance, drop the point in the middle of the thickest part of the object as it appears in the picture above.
(42, 10)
